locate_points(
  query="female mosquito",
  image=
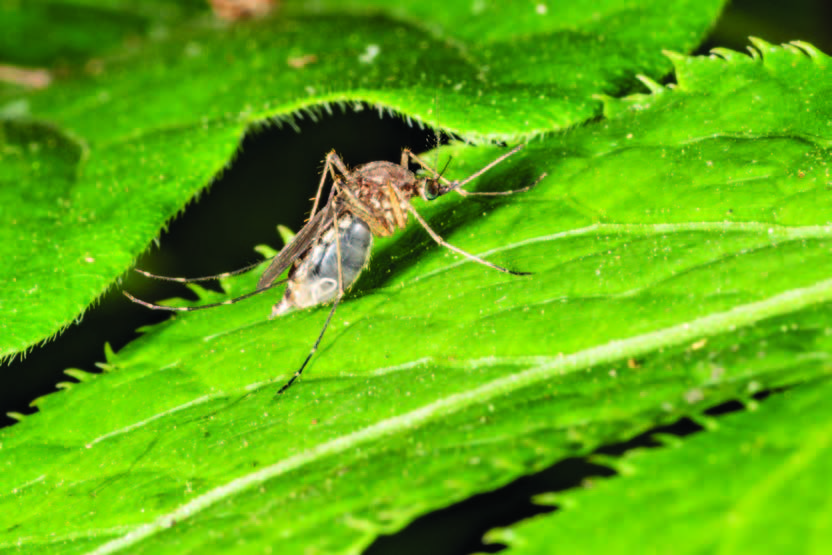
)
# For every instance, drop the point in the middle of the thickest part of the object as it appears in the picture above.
(328, 254)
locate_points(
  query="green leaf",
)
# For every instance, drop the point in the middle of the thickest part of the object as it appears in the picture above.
(760, 486)
(680, 259)
(148, 130)
(72, 31)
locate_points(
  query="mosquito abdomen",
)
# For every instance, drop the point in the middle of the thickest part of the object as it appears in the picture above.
(315, 279)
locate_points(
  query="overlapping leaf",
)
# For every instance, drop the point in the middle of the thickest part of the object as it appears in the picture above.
(133, 137)
(765, 470)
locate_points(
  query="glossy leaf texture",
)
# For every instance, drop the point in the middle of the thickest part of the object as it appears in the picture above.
(103, 158)
(680, 256)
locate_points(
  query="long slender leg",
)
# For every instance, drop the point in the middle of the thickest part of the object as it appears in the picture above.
(338, 251)
(436, 237)
(332, 159)
(465, 193)
(297, 374)
(395, 206)
(203, 278)
(471, 177)
(456, 185)
(235, 300)
(338, 296)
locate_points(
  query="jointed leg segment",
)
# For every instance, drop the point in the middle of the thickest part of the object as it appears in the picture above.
(339, 294)
(332, 159)
(439, 240)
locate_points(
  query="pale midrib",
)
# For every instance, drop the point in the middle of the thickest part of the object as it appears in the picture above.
(615, 350)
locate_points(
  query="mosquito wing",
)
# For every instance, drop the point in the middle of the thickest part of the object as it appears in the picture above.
(304, 239)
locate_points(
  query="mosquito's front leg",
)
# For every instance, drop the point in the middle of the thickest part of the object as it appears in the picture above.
(436, 237)
(465, 193)
(332, 159)
(408, 156)
(457, 185)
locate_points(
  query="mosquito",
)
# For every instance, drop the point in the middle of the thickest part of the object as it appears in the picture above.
(331, 250)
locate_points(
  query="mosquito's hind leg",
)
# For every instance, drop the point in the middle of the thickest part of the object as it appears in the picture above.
(338, 296)
(235, 300)
(198, 279)
(297, 374)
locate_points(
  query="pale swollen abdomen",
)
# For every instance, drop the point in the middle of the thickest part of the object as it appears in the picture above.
(315, 280)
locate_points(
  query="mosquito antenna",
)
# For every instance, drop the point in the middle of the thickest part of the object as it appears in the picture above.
(204, 306)
(445, 167)
(493, 163)
(437, 138)
(196, 279)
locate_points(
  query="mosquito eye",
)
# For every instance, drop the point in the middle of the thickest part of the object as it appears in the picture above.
(432, 190)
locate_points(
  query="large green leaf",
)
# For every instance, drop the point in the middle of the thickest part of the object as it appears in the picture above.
(680, 258)
(761, 486)
(134, 137)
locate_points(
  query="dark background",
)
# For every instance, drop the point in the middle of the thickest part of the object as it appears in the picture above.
(270, 182)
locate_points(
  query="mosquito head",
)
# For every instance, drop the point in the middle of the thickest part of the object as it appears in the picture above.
(431, 188)
(434, 187)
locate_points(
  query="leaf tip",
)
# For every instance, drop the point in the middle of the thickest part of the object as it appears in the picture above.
(78, 374)
(286, 234)
(109, 353)
(759, 47)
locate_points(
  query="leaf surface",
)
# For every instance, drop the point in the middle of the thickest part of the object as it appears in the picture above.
(675, 267)
(760, 485)
(136, 135)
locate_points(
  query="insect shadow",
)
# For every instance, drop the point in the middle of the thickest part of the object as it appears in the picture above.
(328, 254)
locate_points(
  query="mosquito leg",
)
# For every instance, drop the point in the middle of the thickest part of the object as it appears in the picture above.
(203, 278)
(338, 296)
(327, 170)
(332, 159)
(457, 184)
(473, 175)
(297, 374)
(425, 165)
(338, 249)
(204, 306)
(436, 237)
(465, 193)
